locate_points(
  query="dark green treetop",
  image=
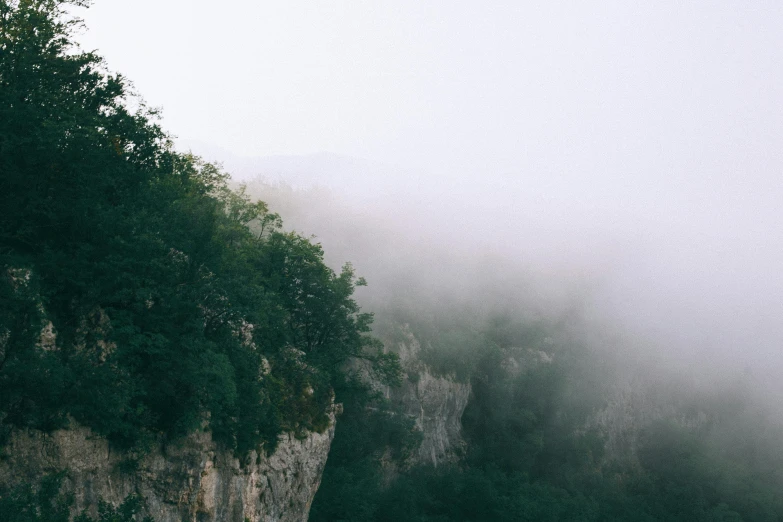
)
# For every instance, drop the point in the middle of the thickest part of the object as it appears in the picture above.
(171, 302)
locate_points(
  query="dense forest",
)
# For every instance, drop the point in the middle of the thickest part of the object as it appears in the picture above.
(146, 297)
(536, 449)
(168, 301)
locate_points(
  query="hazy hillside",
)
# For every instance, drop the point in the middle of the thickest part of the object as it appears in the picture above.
(491, 334)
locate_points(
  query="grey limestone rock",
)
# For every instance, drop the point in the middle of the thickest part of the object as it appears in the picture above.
(191, 480)
(435, 402)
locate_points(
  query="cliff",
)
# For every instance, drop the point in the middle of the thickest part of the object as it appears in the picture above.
(190, 480)
(435, 402)
(632, 408)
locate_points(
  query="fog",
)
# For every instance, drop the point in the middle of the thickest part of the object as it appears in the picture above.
(621, 159)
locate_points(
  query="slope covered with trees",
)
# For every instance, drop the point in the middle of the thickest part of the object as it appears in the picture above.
(143, 297)
(167, 301)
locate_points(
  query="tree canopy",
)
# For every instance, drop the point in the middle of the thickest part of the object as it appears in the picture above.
(139, 294)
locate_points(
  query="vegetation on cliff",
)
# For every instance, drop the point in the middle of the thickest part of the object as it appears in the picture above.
(536, 449)
(143, 297)
(139, 295)
(47, 504)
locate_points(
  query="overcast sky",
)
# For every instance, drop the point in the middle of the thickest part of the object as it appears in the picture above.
(596, 87)
(646, 133)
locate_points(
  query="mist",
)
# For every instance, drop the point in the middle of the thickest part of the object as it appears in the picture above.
(696, 286)
(620, 160)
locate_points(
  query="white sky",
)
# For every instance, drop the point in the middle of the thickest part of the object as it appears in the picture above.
(609, 87)
(659, 124)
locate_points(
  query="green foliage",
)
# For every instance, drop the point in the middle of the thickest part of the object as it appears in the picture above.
(126, 512)
(175, 303)
(530, 457)
(368, 433)
(24, 504)
(169, 303)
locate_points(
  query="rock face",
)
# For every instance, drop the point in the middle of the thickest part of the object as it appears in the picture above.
(631, 410)
(192, 480)
(435, 402)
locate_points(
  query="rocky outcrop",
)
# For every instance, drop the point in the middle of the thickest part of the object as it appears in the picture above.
(191, 480)
(632, 408)
(435, 402)
(188, 480)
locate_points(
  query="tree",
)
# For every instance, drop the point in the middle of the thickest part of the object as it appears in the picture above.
(174, 302)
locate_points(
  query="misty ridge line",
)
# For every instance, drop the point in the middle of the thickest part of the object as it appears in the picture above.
(632, 148)
(655, 297)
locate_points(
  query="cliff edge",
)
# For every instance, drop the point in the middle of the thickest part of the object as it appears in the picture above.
(190, 480)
